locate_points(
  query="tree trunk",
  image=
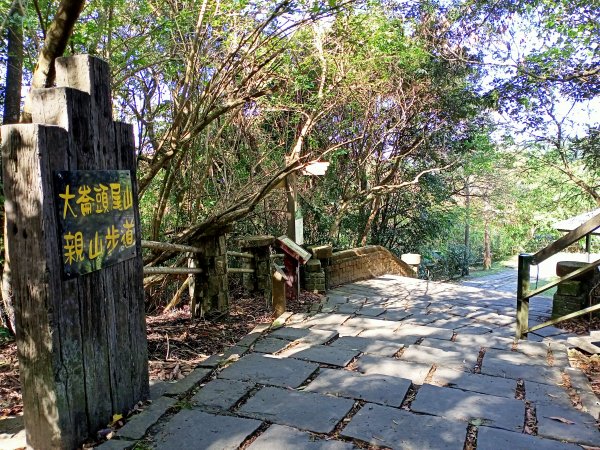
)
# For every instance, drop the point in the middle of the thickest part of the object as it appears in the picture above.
(12, 110)
(487, 247)
(465, 265)
(374, 210)
(57, 37)
(14, 65)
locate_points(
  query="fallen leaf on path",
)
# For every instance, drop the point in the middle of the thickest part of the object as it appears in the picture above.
(563, 420)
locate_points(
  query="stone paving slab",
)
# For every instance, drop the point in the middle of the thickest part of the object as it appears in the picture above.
(343, 330)
(402, 430)
(262, 369)
(499, 412)
(531, 372)
(387, 366)
(371, 323)
(452, 323)
(395, 314)
(499, 342)
(324, 354)
(389, 336)
(322, 319)
(112, 444)
(382, 389)
(270, 345)
(450, 346)
(424, 331)
(187, 383)
(483, 384)
(279, 437)
(475, 329)
(494, 439)
(197, 429)
(515, 357)
(492, 318)
(546, 393)
(347, 308)
(304, 410)
(428, 355)
(581, 384)
(336, 299)
(221, 394)
(136, 427)
(371, 311)
(306, 335)
(366, 345)
(580, 427)
(419, 319)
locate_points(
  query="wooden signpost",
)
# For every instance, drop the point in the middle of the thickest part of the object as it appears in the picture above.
(73, 234)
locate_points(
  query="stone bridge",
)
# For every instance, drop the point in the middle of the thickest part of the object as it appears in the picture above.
(392, 362)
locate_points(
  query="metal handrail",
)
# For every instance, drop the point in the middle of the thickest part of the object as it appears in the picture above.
(524, 271)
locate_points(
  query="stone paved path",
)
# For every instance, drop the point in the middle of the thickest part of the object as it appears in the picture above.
(392, 362)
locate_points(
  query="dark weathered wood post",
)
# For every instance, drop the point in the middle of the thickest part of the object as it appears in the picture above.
(74, 242)
(524, 267)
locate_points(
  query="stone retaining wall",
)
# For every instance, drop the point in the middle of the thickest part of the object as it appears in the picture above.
(365, 262)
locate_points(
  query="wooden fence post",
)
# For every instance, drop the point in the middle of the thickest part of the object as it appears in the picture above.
(80, 323)
(523, 276)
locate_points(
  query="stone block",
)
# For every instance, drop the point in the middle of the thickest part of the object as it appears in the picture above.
(572, 288)
(392, 367)
(575, 426)
(566, 267)
(566, 304)
(323, 354)
(302, 410)
(136, 427)
(313, 265)
(278, 437)
(494, 439)
(462, 360)
(321, 251)
(184, 385)
(380, 389)
(197, 429)
(398, 429)
(499, 412)
(466, 381)
(221, 394)
(270, 345)
(247, 242)
(366, 345)
(269, 370)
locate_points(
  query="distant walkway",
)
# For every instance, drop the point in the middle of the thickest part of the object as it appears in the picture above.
(394, 362)
(506, 280)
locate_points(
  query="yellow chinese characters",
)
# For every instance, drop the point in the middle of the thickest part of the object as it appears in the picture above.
(95, 199)
(67, 197)
(75, 249)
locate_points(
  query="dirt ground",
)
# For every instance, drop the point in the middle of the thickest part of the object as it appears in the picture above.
(176, 343)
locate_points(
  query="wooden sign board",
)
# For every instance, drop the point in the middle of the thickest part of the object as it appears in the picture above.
(294, 250)
(95, 218)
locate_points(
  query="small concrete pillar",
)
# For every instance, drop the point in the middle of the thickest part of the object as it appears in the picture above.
(413, 260)
(260, 248)
(213, 292)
